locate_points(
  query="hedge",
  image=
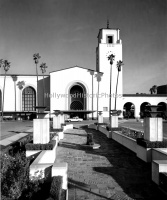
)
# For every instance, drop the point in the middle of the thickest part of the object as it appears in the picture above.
(109, 128)
(149, 144)
(56, 187)
(48, 146)
(100, 124)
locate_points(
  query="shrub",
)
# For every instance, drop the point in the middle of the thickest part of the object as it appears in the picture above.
(149, 144)
(109, 128)
(48, 146)
(56, 187)
(96, 123)
(14, 175)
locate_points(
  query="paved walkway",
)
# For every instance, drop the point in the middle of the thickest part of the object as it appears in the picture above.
(111, 172)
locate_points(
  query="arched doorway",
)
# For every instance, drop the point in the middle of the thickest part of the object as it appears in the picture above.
(77, 99)
(163, 108)
(129, 110)
(28, 99)
(143, 108)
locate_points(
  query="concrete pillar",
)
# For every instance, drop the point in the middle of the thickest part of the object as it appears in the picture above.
(100, 117)
(41, 131)
(137, 111)
(56, 121)
(114, 121)
(153, 129)
(62, 118)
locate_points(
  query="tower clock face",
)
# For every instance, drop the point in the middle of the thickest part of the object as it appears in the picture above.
(109, 53)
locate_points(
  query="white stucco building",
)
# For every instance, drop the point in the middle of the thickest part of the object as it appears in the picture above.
(78, 88)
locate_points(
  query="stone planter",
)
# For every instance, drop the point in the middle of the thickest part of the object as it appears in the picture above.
(41, 131)
(153, 129)
(144, 154)
(100, 117)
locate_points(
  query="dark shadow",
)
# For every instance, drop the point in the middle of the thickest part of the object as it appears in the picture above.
(48, 173)
(126, 169)
(132, 174)
(82, 147)
(82, 135)
(15, 132)
(85, 187)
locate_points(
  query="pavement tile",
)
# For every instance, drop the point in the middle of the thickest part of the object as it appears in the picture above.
(111, 172)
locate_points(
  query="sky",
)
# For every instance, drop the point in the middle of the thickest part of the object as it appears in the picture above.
(64, 33)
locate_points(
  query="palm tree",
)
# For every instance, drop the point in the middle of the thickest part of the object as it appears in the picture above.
(98, 76)
(6, 65)
(151, 90)
(92, 73)
(36, 58)
(20, 85)
(43, 68)
(154, 89)
(14, 77)
(111, 58)
(119, 64)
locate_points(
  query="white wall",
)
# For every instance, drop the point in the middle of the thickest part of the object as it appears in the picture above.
(9, 98)
(61, 81)
(138, 100)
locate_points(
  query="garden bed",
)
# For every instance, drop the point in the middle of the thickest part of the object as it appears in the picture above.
(132, 133)
(48, 146)
(149, 144)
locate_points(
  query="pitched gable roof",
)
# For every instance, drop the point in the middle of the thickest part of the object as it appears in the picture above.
(71, 68)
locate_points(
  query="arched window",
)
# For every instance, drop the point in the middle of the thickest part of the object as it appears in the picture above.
(28, 99)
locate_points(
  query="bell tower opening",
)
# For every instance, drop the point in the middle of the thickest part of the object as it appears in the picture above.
(109, 39)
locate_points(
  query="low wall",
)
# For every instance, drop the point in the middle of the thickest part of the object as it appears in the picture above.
(159, 154)
(104, 130)
(92, 126)
(44, 161)
(145, 154)
(129, 143)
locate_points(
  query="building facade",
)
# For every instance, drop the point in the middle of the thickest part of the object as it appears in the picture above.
(78, 88)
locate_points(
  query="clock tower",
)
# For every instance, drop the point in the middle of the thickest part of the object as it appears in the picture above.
(109, 42)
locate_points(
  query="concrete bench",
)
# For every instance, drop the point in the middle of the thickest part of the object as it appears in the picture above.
(12, 139)
(61, 169)
(60, 135)
(50, 152)
(44, 161)
(68, 126)
(157, 167)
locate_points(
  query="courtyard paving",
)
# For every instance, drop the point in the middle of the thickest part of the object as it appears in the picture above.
(111, 172)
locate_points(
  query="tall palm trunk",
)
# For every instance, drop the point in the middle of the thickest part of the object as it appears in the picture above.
(92, 96)
(37, 85)
(98, 101)
(116, 91)
(110, 95)
(43, 91)
(3, 95)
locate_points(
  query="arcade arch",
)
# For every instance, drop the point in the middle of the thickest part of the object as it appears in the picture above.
(129, 110)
